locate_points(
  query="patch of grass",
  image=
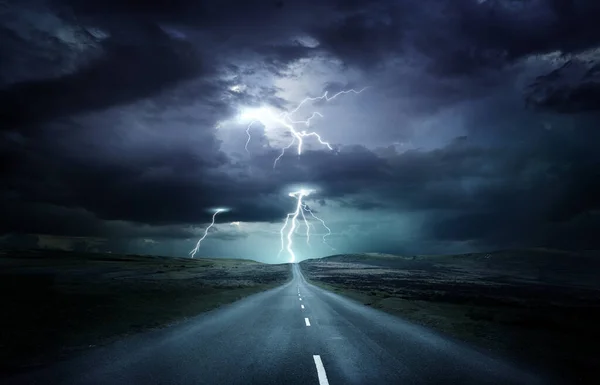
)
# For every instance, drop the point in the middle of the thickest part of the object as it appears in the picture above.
(548, 326)
(55, 304)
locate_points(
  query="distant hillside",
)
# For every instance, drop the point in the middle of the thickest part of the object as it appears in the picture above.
(40, 253)
(549, 266)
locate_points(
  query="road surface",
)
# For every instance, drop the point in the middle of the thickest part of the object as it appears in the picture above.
(294, 334)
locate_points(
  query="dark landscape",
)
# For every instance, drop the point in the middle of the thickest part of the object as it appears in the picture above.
(56, 304)
(540, 307)
(177, 175)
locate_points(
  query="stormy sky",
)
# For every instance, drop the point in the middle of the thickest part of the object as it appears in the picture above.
(121, 124)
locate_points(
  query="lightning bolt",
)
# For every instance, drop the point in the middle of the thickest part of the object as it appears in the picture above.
(195, 249)
(249, 136)
(292, 217)
(285, 119)
(328, 233)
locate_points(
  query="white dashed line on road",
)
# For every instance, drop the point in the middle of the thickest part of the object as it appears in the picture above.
(306, 321)
(300, 299)
(320, 370)
(302, 306)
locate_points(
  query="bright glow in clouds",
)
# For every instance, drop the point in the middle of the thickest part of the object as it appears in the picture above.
(238, 88)
(301, 208)
(268, 117)
(195, 249)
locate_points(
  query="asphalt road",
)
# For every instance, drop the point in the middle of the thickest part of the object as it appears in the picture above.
(294, 334)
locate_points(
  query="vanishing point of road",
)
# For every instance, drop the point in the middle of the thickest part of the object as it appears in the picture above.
(296, 333)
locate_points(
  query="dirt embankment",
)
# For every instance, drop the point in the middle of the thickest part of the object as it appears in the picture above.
(57, 303)
(539, 307)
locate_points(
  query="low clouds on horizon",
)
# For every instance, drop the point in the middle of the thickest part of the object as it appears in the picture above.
(479, 128)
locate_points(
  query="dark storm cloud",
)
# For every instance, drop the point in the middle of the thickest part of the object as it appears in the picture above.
(139, 59)
(488, 195)
(123, 73)
(463, 46)
(459, 37)
(124, 114)
(41, 218)
(137, 54)
(572, 88)
(159, 186)
(580, 193)
(367, 37)
(523, 197)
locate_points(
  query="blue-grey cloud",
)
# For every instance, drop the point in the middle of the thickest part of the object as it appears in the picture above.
(480, 119)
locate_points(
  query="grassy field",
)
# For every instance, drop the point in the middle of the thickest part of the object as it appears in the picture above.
(58, 303)
(539, 307)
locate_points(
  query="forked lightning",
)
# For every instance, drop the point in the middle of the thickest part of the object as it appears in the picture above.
(301, 208)
(285, 119)
(328, 233)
